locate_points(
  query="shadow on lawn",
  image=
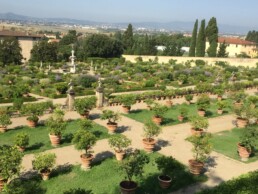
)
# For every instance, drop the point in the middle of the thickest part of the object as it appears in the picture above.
(67, 138)
(61, 169)
(35, 146)
(167, 121)
(102, 156)
(136, 111)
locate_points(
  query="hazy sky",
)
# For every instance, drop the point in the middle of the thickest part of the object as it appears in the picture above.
(234, 12)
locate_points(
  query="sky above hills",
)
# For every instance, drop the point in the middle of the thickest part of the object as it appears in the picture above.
(232, 12)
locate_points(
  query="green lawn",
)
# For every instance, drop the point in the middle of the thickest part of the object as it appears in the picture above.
(225, 142)
(170, 117)
(105, 176)
(39, 140)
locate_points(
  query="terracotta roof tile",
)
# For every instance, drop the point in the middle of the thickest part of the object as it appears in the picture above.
(235, 41)
(8, 33)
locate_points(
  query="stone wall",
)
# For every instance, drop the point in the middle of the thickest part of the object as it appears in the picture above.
(247, 62)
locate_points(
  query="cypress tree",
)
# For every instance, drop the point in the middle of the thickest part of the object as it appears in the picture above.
(212, 35)
(193, 40)
(222, 50)
(128, 39)
(201, 41)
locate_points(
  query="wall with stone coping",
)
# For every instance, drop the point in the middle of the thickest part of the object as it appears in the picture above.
(247, 62)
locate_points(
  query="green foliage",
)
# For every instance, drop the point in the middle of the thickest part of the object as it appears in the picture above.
(166, 164)
(21, 139)
(10, 160)
(127, 99)
(84, 104)
(159, 110)
(189, 97)
(197, 122)
(44, 161)
(86, 81)
(238, 96)
(77, 191)
(85, 124)
(212, 35)
(10, 51)
(183, 111)
(245, 184)
(203, 102)
(222, 104)
(151, 130)
(222, 52)
(128, 40)
(84, 140)
(134, 163)
(55, 123)
(201, 146)
(249, 137)
(61, 87)
(193, 40)
(201, 41)
(5, 120)
(17, 103)
(245, 111)
(35, 109)
(119, 142)
(110, 115)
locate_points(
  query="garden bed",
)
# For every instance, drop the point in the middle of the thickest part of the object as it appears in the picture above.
(39, 140)
(225, 142)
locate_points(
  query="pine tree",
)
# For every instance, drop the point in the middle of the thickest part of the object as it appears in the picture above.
(193, 40)
(222, 50)
(128, 39)
(201, 41)
(212, 35)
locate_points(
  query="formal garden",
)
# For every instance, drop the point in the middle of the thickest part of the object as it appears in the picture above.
(118, 147)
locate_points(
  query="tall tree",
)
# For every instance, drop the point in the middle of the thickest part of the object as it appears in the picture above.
(10, 51)
(193, 40)
(201, 41)
(128, 40)
(222, 52)
(212, 35)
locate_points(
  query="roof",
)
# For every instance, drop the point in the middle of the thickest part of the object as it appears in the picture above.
(235, 41)
(9, 33)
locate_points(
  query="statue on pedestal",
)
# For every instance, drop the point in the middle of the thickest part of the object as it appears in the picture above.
(70, 97)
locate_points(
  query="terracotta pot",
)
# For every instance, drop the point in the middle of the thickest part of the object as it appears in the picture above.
(242, 123)
(32, 124)
(111, 127)
(119, 155)
(128, 187)
(164, 181)
(201, 112)
(86, 161)
(197, 132)
(243, 152)
(157, 120)
(180, 118)
(169, 103)
(149, 145)
(220, 111)
(126, 109)
(21, 148)
(196, 167)
(238, 104)
(3, 129)
(55, 139)
(45, 174)
(2, 183)
(219, 98)
(85, 115)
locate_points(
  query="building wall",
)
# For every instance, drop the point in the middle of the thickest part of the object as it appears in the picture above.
(26, 46)
(236, 49)
(247, 62)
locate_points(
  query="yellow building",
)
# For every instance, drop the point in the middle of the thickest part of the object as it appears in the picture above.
(236, 46)
(26, 41)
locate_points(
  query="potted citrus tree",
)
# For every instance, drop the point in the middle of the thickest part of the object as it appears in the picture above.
(219, 92)
(84, 105)
(4, 122)
(199, 124)
(243, 113)
(159, 112)
(84, 140)
(21, 140)
(150, 131)
(201, 150)
(248, 142)
(10, 160)
(44, 163)
(238, 98)
(56, 125)
(132, 166)
(188, 98)
(166, 165)
(203, 103)
(119, 143)
(182, 113)
(112, 118)
(221, 106)
(127, 100)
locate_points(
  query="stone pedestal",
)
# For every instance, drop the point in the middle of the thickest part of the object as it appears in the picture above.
(100, 97)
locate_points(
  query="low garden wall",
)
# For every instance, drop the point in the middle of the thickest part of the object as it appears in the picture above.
(165, 59)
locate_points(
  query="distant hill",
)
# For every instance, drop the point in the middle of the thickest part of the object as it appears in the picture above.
(171, 26)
